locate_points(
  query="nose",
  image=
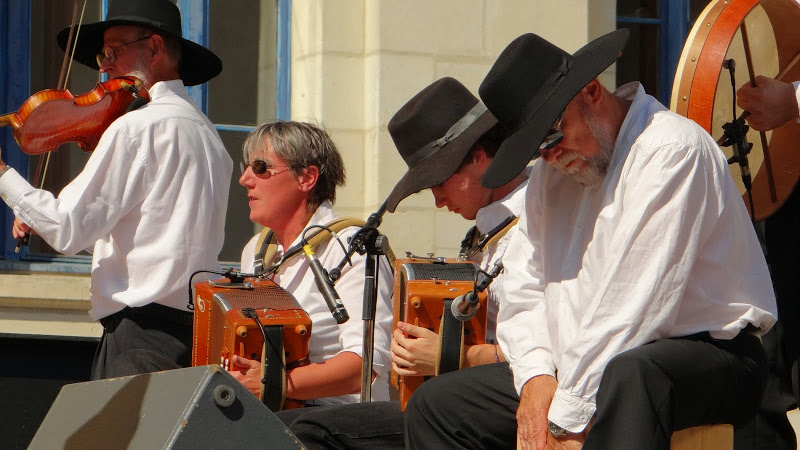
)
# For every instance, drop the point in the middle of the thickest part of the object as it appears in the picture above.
(105, 65)
(245, 179)
(438, 196)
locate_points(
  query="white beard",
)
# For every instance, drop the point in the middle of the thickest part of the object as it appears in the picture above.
(594, 171)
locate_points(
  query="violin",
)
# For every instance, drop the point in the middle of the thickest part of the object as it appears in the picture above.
(54, 117)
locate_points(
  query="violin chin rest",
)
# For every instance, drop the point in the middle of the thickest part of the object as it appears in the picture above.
(136, 104)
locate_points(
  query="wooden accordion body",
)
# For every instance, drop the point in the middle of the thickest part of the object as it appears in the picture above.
(421, 286)
(222, 329)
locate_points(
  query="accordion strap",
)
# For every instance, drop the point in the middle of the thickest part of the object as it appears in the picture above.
(451, 340)
(267, 245)
(273, 392)
(474, 243)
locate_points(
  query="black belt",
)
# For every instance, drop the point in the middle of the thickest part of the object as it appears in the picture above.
(152, 311)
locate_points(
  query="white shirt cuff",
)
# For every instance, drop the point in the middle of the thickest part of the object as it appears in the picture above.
(535, 363)
(12, 187)
(570, 412)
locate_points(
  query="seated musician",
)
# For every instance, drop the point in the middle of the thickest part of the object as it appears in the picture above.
(635, 287)
(291, 171)
(136, 201)
(772, 103)
(453, 172)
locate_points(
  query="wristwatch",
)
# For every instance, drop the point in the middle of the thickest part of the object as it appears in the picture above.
(555, 429)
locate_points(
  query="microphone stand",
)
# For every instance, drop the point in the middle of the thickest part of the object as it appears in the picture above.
(370, 242)
(735, 136)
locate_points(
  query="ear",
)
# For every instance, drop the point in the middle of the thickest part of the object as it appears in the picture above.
(156, 47)
(307, 178)
(481, 158)
(592, 92)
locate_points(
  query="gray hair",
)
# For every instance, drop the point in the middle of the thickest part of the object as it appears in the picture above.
(172, 44)
(301, 145)
(173, 48)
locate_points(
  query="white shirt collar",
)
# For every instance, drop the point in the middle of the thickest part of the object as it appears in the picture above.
(492, 214)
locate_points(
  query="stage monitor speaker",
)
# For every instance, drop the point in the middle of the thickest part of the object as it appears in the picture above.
(198, 407)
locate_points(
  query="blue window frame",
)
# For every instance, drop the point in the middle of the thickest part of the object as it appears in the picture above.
(660, 24)
(15, 82)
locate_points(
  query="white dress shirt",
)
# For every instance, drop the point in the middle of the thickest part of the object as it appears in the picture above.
(663, 248)
(151, 200)
(327, 338)
(486, 220)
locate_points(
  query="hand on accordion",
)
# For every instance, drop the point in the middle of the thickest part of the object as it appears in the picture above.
(248, 373)
(414, 350)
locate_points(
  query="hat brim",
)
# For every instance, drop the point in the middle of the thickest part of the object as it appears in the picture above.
(441, 165)
(523, 144)
(198, 64)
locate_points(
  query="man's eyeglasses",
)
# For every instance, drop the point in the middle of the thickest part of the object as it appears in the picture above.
(109, 54)
(261, 167)
(554, 136)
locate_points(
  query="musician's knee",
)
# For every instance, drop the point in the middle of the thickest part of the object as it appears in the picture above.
(633, 371)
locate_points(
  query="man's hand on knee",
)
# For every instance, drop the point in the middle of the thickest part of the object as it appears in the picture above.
(534, 403)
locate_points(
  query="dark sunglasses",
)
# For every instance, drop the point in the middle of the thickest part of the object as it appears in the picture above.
(554, 136)
(261, 167)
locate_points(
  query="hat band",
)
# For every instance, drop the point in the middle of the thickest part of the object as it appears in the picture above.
(454, 131)
(536, 103)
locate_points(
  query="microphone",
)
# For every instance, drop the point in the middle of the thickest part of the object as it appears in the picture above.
(325, 286)
(465, 306)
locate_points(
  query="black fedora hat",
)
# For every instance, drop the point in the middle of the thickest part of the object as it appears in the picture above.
(529, 86)
(433, 132)
(198, 64)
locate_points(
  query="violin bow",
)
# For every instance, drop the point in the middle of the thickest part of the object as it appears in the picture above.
(63, 77)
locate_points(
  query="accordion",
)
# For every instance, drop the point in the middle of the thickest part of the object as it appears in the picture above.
(255, 319)
(423, 291)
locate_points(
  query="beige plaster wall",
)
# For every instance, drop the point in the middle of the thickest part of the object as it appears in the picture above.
(356, 62)
(46, 303)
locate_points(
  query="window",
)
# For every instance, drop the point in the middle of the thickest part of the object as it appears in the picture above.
(252, 88)
(658, 31)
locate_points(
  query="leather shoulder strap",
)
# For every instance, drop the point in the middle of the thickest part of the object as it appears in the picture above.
(267, 245)
(265, 250)
(500, 233)
(472, 243)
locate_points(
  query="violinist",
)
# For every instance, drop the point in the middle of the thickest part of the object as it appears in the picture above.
(148, 200)
(770, 104)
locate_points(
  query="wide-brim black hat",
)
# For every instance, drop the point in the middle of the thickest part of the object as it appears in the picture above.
(198, 64)
(529, 86)
(433, 132)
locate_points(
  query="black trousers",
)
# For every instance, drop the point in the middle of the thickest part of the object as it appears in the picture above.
(373, 425)
(770, 429)
(645, 394)
(142, 340)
